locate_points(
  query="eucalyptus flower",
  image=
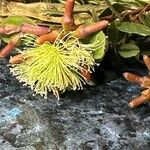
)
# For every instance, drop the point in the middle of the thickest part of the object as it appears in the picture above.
(55, 67)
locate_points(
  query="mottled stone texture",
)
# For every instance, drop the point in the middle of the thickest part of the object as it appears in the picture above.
(97, 118)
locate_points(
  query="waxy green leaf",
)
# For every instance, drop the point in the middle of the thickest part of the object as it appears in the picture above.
(129, 50)
(99, 52)
(98, 40)
(134, 28)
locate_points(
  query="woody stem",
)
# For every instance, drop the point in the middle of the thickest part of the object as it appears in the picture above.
(68, 20)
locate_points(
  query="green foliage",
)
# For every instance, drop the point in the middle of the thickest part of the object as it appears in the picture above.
(134, 28)
(128, 25)
(114, 35)
(118, 7)
(132, 3)
(129, 50)
(98, 40)
(16, 20)
(99, 51)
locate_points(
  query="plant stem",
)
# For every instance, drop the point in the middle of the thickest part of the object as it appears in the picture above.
(112, 9)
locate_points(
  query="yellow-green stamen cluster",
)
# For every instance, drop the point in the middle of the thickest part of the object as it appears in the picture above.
(54, 67)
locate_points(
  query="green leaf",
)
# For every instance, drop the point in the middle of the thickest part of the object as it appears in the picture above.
(6, 38)
(16, 20)
(98, 41)
(131, 3)
(134, 28)
(99, 52)
(129, 50)
(114, 35)
(143, 1)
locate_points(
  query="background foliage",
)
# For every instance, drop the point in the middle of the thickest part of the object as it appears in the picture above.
(129, 21)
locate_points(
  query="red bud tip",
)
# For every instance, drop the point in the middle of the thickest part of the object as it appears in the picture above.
(86, 74)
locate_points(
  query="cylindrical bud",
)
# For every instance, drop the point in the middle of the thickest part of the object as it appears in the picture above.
(146, 61)
(51, 37)
(17, 59)
(139, 100)
(36, 30)
(84, 31)
(9, 29)
(146, 82)
(133, 78)
(69, 8)
(10, 46)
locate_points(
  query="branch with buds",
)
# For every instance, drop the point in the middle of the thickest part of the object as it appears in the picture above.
(45, 34)
(143, 82)
(25, 28)
(58, 53)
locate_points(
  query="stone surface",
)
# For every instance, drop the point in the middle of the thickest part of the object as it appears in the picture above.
(97, 118)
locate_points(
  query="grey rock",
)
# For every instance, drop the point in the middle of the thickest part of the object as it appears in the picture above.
(97, 118)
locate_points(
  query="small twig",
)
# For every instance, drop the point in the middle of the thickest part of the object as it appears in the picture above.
(129, 12)
(141, 12)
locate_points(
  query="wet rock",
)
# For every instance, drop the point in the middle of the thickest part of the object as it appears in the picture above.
(97, 118)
